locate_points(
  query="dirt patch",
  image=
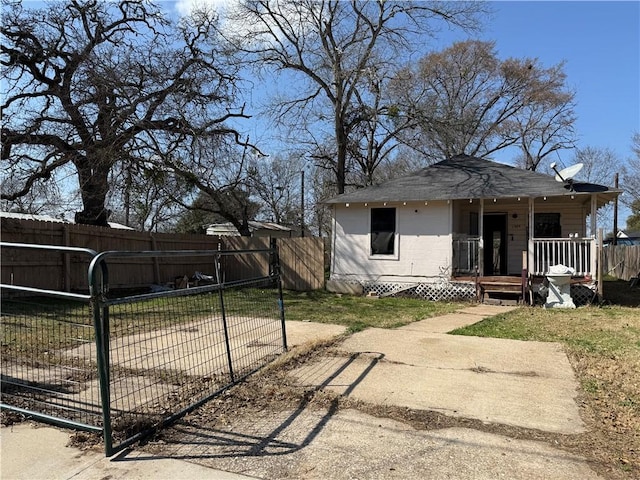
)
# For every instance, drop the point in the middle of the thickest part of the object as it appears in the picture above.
(610, 404)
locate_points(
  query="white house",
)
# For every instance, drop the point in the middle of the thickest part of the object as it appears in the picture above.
(463, 217)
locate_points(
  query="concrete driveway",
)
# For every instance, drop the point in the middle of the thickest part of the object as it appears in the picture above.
(524, 385)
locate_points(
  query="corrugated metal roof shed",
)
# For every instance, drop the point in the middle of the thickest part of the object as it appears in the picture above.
(48, 218)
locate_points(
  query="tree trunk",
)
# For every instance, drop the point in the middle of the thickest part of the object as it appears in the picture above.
(341, 161)
(94, 185)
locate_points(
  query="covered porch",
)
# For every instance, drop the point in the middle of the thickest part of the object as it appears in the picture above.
(509, 244)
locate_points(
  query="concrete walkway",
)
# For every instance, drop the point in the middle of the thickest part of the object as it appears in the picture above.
(521, 384)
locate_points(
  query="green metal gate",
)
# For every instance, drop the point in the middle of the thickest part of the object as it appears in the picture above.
(126, 363)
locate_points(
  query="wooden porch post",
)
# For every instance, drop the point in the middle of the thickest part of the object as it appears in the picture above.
(530, 259)
(481, 239)
(599, 266)
(452, 266)
(596, 245)
(332, 258)
(594, 211)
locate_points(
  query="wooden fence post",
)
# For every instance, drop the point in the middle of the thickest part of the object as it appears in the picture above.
(66, 260)
(600, 273)
(156, 263)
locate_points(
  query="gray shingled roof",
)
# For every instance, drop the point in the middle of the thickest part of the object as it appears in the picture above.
(465, 177)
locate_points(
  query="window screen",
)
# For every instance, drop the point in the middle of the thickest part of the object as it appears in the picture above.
(383, 229)
(547, 225)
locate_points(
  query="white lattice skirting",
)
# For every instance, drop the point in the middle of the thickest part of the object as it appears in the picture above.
(450, 291)
(442, 291)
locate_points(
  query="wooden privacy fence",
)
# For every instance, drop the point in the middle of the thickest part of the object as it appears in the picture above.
(301, 259)
(622, 261)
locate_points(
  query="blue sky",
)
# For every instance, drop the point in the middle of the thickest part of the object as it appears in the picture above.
(598, 40)
(600, 43)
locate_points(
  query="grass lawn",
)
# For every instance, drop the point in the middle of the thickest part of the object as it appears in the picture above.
(358, 313)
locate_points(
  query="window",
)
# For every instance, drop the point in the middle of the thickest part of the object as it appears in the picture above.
(547, 225)
(474, 226)
(383, 231)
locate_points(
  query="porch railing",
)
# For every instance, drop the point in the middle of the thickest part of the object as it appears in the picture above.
(465, 254)
(577, 253)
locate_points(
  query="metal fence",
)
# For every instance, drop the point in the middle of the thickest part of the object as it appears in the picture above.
(125, 363)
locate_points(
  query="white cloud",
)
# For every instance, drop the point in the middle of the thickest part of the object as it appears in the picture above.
(185, 7)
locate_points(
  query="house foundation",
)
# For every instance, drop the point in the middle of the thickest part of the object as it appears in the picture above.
(536, 291)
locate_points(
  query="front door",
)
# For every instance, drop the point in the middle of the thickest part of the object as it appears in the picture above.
(495, 244)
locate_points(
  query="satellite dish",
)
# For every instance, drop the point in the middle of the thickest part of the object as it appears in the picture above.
(566, 174)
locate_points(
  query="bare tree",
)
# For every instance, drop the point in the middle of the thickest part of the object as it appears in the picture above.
(600, 164)
(374, 129)
(326, 50)
(205, 210)
(464, 100)
(276, 182)
(322, 187)
(631, 174)
(41, 199)
(631, 184)
(141, 196)
(215, 170)
(633, 220)
(92, 84)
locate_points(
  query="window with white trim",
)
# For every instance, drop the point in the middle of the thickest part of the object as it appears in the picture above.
(383, 231)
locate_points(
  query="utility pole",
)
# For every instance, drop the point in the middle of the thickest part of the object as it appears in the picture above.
(614, 241)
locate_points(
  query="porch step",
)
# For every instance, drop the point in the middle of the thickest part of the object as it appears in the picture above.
(489, 286)
(497, 287)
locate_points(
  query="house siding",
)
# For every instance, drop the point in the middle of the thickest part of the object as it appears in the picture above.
(423, 244)
(423, 251)
(572, 215)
